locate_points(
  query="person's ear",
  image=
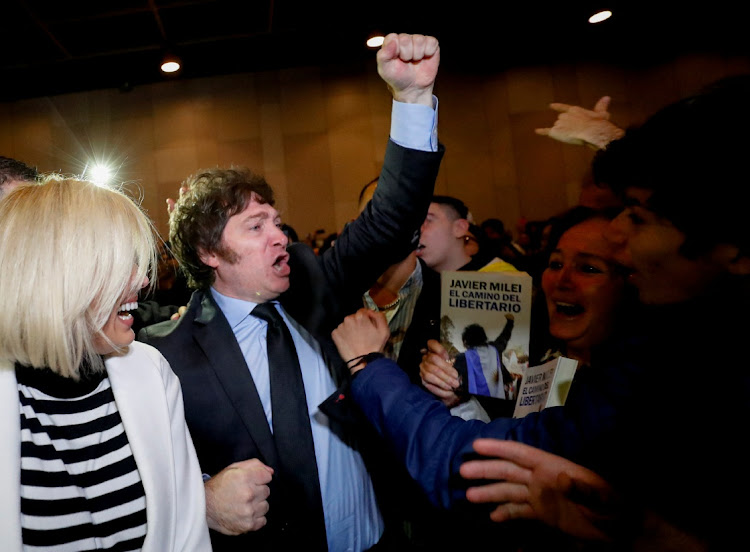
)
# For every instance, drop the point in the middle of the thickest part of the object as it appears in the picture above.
(460, 227)
(209, 259)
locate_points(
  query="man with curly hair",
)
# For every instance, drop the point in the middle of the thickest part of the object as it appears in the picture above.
(318, 494)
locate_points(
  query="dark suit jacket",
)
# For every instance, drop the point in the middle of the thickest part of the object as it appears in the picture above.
(151, 312)
(222, 406)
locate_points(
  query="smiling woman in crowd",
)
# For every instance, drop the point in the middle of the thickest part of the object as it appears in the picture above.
(585, 295)
(96, 452)
(585, 291)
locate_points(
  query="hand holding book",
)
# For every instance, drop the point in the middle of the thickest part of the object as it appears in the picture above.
(438, 374)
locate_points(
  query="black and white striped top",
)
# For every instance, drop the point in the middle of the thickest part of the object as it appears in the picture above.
(80, 486)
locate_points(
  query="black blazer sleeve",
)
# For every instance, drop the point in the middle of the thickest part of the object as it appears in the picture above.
(388, 228)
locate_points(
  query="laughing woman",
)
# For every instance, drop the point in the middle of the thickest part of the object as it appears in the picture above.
(585, 291)
(584, 299)
(96, 454)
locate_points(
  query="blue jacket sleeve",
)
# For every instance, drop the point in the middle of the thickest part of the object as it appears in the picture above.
(433, 444)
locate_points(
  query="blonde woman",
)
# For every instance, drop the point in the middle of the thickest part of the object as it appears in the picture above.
(96, 453)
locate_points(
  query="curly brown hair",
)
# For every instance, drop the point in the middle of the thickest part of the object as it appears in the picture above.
(197, 223)
(12, 169)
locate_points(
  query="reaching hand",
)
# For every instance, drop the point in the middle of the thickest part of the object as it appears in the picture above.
(408, 64)
(361, 333)
(180, 313)
(171, 202)
(438, 374)
(535, 484)
(237, 497)
(576, 125)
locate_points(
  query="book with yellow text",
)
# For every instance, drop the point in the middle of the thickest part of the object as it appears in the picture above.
(485, 320)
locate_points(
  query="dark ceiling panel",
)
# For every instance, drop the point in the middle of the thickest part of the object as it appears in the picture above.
(210, 21)
(24, 41)
(123, 33)
(89, 44)
(57, 10)
(313, 17)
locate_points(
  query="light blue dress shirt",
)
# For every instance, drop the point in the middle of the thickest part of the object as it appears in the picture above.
(353, 520)
(410, 123)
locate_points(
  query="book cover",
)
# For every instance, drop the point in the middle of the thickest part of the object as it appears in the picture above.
(545, 385)
(485, 320)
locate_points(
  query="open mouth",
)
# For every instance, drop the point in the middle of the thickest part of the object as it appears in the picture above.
(123, 312)
(569, 309)
(280, 264)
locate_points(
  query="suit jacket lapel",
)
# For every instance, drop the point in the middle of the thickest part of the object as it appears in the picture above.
(213, 335)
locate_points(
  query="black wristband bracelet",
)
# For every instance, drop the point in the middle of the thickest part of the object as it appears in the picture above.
(356, 360)
(366, 359)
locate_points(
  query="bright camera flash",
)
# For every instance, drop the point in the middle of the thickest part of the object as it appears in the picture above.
(100, 174)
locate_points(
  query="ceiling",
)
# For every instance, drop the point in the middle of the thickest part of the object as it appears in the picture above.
(53, 46)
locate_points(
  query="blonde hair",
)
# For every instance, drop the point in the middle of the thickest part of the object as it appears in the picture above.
(69, 252)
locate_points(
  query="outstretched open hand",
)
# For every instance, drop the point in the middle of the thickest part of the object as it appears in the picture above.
(534, 484)
(579, 126)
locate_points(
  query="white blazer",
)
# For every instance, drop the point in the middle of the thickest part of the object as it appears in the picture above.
(149, 398)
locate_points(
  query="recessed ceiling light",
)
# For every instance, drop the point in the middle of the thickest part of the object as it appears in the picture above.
(600, 16)
(170, 66)
(375, 41)
(170, 63)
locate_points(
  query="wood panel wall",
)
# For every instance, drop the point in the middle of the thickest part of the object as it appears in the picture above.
(319, 134)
